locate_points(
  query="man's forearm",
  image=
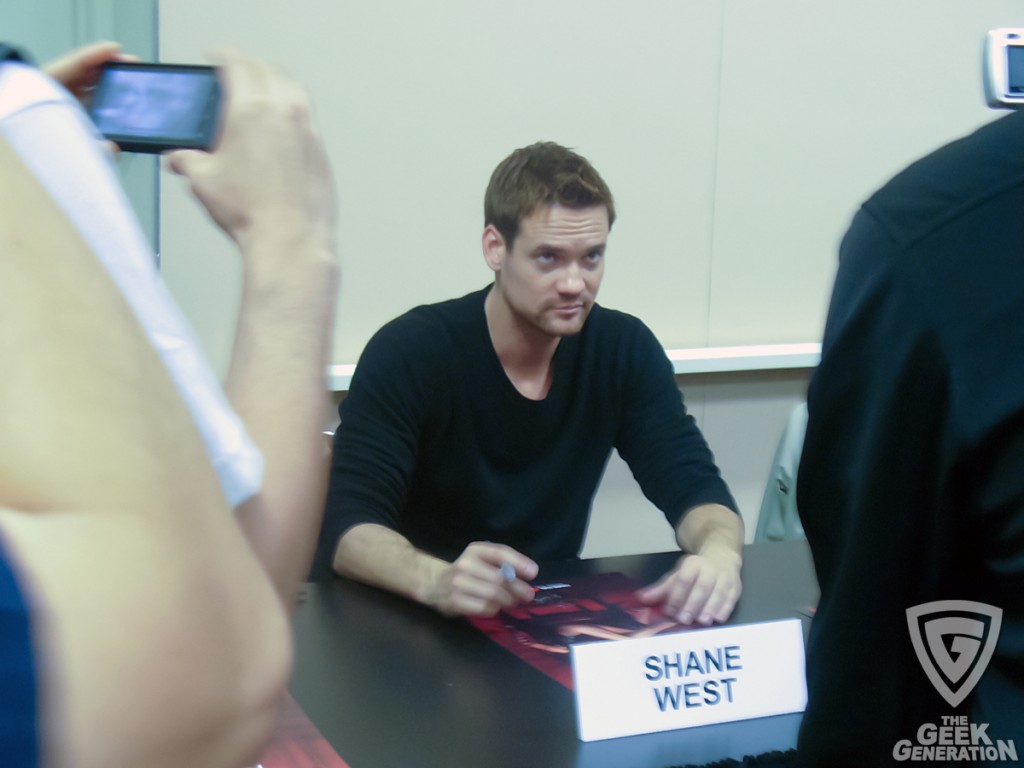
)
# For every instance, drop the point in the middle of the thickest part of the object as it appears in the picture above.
(384, 558)
(108, 502)
(268, 185)
(277, 384)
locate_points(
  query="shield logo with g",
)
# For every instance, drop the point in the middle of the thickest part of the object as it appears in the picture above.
(954, 641)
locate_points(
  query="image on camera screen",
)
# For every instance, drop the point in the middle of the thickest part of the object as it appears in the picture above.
(154, 104)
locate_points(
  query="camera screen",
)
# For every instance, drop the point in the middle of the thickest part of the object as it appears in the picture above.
(1015, 68)
(154, 104)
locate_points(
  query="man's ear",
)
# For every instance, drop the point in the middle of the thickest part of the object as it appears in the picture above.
(494, 248)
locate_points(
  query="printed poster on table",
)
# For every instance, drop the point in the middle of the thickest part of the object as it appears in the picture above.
(600, 606)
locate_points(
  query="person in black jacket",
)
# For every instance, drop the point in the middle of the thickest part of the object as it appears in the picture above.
(911, 484)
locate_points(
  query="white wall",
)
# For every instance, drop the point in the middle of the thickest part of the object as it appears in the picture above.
(738, 136)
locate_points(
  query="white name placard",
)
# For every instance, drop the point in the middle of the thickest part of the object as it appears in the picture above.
(696, 677)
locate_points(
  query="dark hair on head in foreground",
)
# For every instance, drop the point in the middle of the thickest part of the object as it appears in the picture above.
(544, 173)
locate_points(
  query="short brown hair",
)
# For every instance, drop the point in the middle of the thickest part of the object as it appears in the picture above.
(541, 174)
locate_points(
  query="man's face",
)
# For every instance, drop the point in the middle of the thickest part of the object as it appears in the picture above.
(550, 277)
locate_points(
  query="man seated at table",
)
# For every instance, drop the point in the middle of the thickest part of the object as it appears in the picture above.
(476, 430)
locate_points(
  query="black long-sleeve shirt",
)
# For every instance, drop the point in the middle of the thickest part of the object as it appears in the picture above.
(436, 442)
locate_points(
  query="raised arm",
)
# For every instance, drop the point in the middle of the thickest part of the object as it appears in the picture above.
(268, 186)
(108, 504)
(151, 617)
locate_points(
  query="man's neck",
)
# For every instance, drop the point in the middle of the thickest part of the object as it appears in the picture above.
(525, 352)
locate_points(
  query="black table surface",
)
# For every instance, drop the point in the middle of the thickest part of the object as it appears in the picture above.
(392, 684)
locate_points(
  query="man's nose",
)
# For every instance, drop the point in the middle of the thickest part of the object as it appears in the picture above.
(571, 280)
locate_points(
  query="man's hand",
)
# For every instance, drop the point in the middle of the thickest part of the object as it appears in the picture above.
(268, 174)
(704, 586)
(80, 70)
(701, 589)
(483, 580)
